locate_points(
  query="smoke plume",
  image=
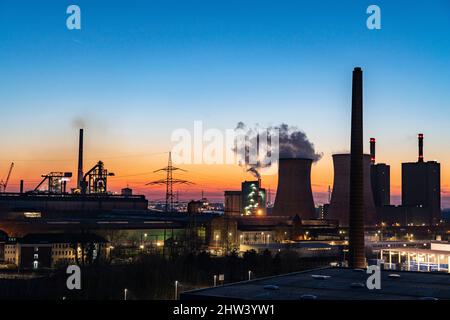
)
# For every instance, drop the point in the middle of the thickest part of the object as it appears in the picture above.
(295, 144)
(292, 143)
(78, 122)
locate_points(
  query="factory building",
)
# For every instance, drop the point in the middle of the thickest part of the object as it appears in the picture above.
(233, 203)
(421, 188)
(436, 258)
(50, 198)
(421, 195)
(380, 175)
(340, 197)
(305, 249)
(221, 235)
(250, 201)
(294, 194)
(37, 251)
(253, 198)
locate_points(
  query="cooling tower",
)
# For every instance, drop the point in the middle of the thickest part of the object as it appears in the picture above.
(294, 194)
(340, 199)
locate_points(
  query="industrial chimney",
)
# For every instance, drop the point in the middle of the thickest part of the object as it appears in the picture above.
(80, 160)
(357, 257)
(294, 194)
(372, 150)
(420, 136)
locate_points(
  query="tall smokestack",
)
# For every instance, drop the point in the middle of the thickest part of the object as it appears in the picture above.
(420, 136)
(80, 160)
(372, 150)
(357, 257)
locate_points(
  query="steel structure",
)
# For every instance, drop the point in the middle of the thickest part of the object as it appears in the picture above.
(95, 181)
(57, 182)
(169, 181)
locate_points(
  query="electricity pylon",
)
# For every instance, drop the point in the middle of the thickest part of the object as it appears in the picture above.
(169, 181)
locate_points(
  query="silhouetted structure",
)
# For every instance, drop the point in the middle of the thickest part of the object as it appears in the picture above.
(80, 161)
(357, 257)
(421, 188)
(380, 178)
(294, 194)
(169, 181)
(340, 197)
(380, 175)
(233, 203)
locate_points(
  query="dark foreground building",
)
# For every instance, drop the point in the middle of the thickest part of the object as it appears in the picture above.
(332, 284)
(380, 178)
(421, 188)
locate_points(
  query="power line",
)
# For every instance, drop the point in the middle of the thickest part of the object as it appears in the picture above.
(169, 181)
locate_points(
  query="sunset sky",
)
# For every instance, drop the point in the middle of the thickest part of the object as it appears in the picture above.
(138, 70)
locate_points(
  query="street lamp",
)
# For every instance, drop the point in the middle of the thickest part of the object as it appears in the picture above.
(176, 289)
(217, 240)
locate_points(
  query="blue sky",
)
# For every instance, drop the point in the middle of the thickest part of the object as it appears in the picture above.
(139, 69)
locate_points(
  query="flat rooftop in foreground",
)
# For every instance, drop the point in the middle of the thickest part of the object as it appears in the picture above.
(341, 284)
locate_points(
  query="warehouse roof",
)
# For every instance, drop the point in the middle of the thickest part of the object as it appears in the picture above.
(332, 284)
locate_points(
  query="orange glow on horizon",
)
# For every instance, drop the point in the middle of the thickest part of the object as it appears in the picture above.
(137, 170)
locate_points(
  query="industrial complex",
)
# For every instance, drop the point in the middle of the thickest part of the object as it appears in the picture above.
(50, 225)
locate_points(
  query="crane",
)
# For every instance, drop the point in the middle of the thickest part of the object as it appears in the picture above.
(4, 184)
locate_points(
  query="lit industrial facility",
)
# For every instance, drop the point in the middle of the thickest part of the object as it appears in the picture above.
(249, 201)
(50, 198)
(435, 258)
